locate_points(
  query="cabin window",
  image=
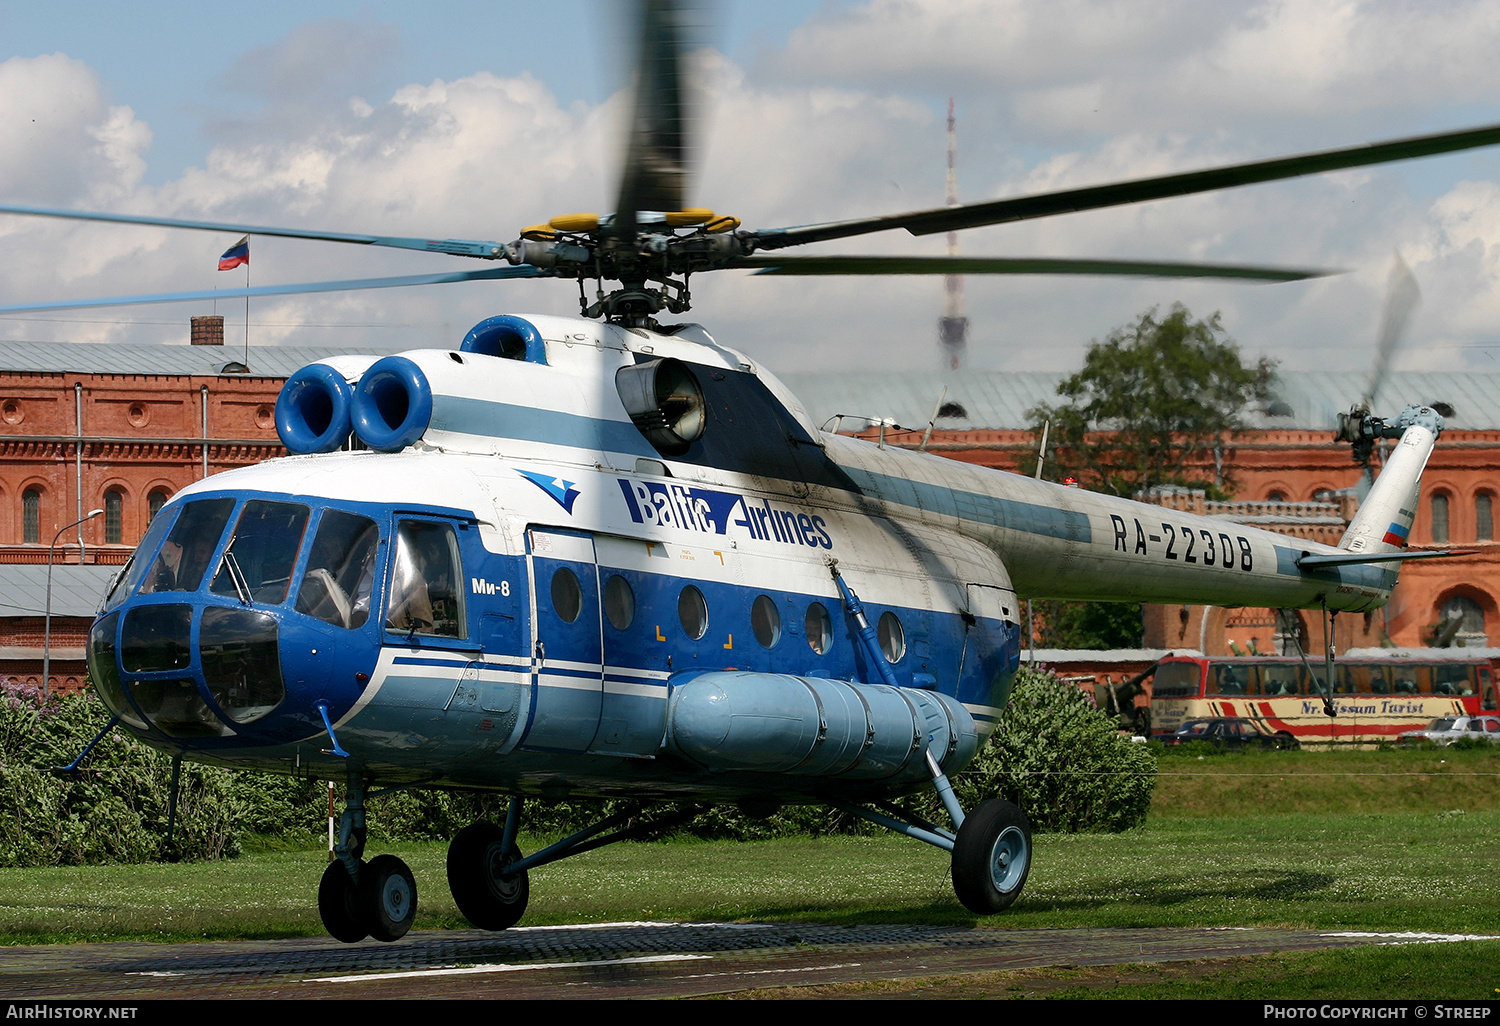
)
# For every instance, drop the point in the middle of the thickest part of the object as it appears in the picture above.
(765, 621)
(340, 570)
(692, 611)
(892, 637)
(567, 595)
(619, 602)
(1484, 517)
(1440, 517)
(185, 555)
(257, 563)
(424, 596)
(819, 628)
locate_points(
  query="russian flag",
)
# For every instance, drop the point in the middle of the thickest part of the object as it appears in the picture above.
(1396, 535)
(235, 255)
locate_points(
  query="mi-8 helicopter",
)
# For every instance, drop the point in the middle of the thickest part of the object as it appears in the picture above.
(615, 557)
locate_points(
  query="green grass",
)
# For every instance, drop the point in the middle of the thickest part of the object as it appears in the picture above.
(1383, 841)
(1255, 783)
(1463, 971)
(1402, 871)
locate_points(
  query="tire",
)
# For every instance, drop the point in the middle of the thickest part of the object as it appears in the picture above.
(1285, 742)
(387, 897)
(486, 899)
(991, 857)
(338, 904)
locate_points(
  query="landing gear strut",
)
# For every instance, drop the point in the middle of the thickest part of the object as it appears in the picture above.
(357, 899)
(991, 848)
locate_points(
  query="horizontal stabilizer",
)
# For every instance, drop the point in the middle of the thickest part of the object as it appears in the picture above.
(1309, 561)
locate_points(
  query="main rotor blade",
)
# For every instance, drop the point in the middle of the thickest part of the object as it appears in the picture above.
(1021, 208)
(1019, 265)
(454, 247)
(488, 274)
(656, 156)
(1402, 296)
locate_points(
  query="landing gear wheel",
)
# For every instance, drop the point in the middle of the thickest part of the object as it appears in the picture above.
(387, 897)
(476, 859)
(991, 857)
(338, 904)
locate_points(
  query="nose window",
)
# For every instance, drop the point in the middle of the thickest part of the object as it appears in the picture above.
(176, 709)
(340, 570)
(241, 664)
(185, 555)
(103, 671)
(156, 638)
(257, 565)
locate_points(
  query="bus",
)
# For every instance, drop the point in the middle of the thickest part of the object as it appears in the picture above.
(1377, 693)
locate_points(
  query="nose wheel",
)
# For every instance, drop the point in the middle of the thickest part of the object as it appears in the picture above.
(387, 897)
(382, 903)
(338, 904)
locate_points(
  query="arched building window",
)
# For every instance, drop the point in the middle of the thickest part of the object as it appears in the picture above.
(1461, 623)
(154, 502)
(31, 515)
(1439, 517)
(1484, 517)
(114, 510)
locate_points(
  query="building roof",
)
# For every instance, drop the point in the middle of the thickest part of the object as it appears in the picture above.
(1000, 399)
(76, 590)
(989, 399)
(109, 358)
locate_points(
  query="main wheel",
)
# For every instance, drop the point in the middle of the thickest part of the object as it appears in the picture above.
(387, 897)
(476, 863)
(338, 904)
(991, 857)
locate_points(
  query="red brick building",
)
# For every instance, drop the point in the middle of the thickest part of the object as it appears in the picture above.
(123, 428)
(1278, 470)
(120, 428)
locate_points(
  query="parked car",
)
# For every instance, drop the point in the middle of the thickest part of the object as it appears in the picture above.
(1445, 730)
(1229, 732)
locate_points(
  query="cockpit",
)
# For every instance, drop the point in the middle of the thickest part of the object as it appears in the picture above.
(233, 603)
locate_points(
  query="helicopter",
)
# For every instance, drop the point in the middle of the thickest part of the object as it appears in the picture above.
(614, 557)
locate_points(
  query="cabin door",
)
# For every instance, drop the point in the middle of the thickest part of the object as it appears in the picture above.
(567, 678)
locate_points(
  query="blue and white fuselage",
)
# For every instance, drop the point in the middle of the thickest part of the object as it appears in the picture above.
(548, 584)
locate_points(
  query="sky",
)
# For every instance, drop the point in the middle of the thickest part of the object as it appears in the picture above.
(472, 119)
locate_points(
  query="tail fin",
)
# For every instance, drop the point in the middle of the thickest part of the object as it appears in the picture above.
(1384, 518)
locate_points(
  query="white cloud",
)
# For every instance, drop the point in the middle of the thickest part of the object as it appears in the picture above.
(846, 127)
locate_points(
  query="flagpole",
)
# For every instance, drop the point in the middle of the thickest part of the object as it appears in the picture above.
(247, 314)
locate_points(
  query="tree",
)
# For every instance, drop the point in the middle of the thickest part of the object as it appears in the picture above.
(1151, 403)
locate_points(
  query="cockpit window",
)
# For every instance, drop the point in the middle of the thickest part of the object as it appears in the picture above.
(142, 559)
(257, 565)
(340, 570)
(425, 596)
(186, 553)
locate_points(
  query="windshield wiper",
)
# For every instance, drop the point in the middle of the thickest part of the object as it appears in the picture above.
(236, 575)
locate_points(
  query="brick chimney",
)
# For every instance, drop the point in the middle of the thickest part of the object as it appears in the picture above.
(208, 331)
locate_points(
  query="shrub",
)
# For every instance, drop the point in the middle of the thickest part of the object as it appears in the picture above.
(115, 808)
(1061, 760)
